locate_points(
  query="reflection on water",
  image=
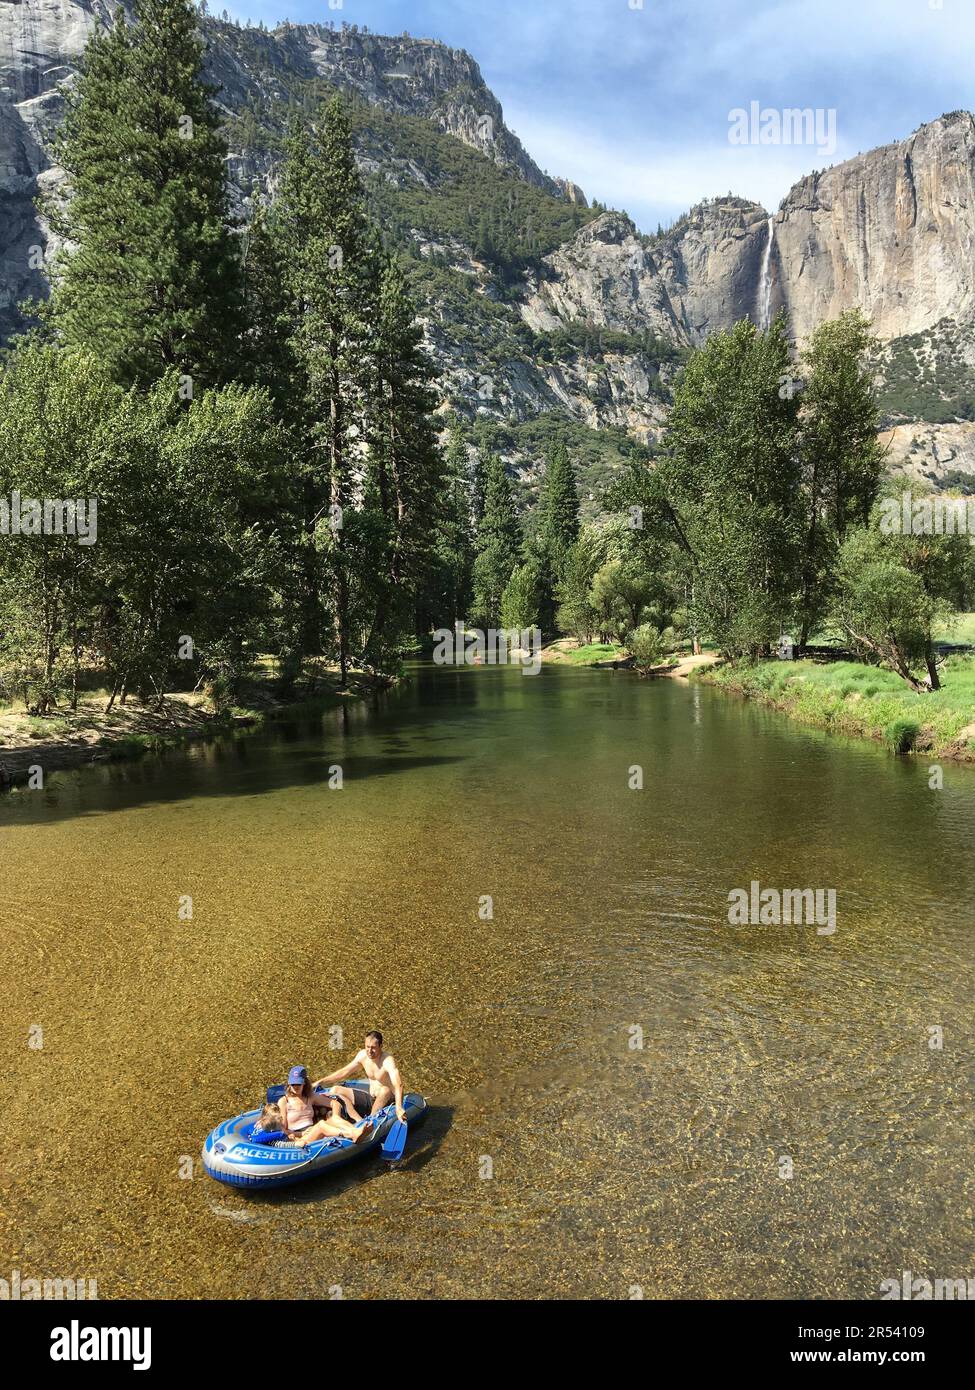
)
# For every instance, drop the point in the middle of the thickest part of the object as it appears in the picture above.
(764, 1050)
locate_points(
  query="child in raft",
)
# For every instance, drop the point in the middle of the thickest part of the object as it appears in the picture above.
(296, 1109)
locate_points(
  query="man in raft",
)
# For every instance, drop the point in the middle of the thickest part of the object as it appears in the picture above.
(382, 1073)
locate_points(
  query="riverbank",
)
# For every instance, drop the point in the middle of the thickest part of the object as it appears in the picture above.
(864, 702)
(567, 651)
(91, 734)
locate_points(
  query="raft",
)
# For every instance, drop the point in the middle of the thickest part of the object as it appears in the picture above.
(231, 1155)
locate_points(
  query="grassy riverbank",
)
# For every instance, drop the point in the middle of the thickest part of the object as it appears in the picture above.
(865, 702)
(569, 651)
(71, 738)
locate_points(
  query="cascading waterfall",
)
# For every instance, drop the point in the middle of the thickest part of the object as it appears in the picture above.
(765, 280)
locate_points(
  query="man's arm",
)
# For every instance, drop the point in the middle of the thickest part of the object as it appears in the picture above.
(341, 1074)
(392, 1071)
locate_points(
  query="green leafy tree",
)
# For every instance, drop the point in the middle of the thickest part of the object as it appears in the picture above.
(58, 425)
(186, 545)
(731, 478)
(841, 457)
(521, 599)
(893, 590)
(647, 646)
(882, 605)
(576, 613)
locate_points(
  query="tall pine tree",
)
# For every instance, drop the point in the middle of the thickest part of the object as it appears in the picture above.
(455, 534)
(498, 543)
(558, 529)
(333, 282)
(406, 466)
(152, 280)
(560, 507)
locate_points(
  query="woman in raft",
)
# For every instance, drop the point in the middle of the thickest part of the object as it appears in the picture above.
(297, 1106)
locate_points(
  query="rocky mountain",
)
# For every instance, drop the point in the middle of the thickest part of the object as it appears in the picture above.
(538, 307)
(42, 40)
(891, 232)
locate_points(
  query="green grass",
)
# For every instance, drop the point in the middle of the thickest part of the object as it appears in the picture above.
(596, 651)
(960, 630)
(863, 701)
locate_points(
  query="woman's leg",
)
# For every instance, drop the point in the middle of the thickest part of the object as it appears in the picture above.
(323, 1129)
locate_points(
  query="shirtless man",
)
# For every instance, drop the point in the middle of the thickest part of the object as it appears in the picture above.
(385, 1083)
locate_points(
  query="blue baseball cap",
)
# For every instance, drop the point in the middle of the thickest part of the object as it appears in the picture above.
(297, 1076)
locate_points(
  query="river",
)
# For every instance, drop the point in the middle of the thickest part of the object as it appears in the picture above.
(628, 1094)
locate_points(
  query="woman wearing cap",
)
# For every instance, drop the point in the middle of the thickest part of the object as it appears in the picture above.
(298, 1113)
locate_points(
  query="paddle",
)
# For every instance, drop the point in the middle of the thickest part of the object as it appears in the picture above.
(395, 1142)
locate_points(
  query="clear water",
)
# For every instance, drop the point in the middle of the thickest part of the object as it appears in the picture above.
(559, 1159)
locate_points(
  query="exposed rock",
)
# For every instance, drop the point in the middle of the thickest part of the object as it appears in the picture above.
(572, 191)
(711, 265)
(932, 452)
(605, 276)
(891, 232)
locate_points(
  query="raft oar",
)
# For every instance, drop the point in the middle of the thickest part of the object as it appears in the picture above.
(395, 1142)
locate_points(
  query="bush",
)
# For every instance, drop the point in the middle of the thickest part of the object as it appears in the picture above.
(646, 646)
(901, 735)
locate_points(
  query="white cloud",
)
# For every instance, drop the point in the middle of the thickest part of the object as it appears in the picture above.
(668, 177)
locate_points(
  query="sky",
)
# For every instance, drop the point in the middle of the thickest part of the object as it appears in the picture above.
(633, 99)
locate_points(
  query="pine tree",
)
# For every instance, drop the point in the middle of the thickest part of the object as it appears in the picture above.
(154, 281)
(498, 543)
(405, 464)
(557, 530)
(452, 590)
(268, 355)
(332, 280)
(560, 508)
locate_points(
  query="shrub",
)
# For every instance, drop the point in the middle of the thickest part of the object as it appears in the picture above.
(901, 735)
(646, 646)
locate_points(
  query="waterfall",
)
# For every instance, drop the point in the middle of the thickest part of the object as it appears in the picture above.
(765, 280)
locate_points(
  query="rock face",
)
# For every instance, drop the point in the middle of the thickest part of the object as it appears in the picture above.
(40, 43)
(412, 77)
(605, 276)
(939, 454)
(711, 264)
(891, 232)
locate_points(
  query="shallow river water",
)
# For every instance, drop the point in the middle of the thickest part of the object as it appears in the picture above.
(627, 1092)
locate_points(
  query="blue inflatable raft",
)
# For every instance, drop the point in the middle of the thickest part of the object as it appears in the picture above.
(231, 1155)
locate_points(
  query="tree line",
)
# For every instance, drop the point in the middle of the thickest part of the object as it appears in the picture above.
(251, 407)
(255, 413)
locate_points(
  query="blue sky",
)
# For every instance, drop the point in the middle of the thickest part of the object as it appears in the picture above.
(631, 98)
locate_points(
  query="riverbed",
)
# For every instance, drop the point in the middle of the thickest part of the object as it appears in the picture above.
(628, 1094)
